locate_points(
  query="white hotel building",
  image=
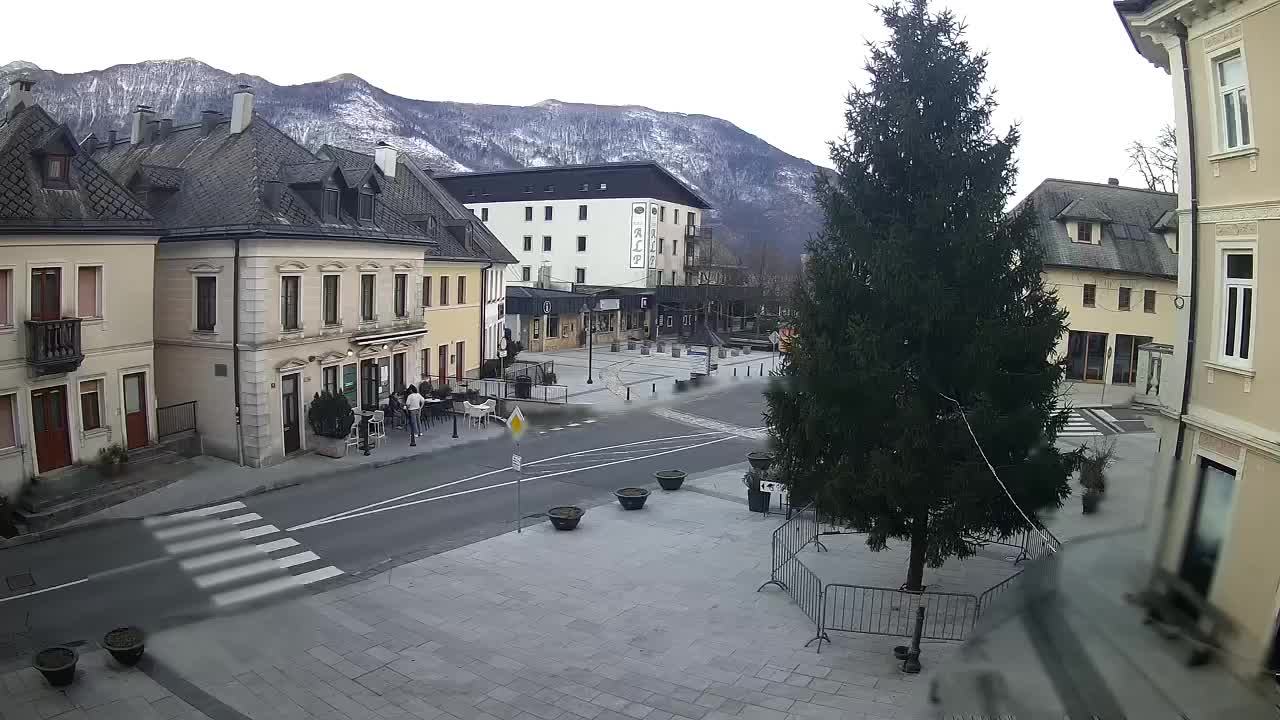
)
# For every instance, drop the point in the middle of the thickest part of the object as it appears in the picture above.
(624, 225)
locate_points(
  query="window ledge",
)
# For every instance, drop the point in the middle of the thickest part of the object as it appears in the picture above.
(14, 450)
(204, 334)
(6, 329)
(1240, 152)
(96, 432)
(1234, 370)
(90, 321)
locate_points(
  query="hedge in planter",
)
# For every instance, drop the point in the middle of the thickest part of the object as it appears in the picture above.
(330, 418)
(112, 459)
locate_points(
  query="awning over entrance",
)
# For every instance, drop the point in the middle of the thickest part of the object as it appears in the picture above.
(384, 337)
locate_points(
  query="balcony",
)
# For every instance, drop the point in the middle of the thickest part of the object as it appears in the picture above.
(697, 232)
(53, 346)
(689, 261)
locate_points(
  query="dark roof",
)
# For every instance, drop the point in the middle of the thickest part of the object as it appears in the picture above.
(222, 181)
(641, 179)
(523, 300)
(1128, 243)
(92, 201)
(417, 197)
(1084, 209)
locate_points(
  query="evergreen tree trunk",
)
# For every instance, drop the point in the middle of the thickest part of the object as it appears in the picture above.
(919, 547)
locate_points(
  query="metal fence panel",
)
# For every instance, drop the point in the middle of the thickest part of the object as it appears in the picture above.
(884, 611)
(174, 419)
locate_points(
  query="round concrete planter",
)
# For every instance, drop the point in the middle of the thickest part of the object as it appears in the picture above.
(760, 460)
(57, 664)
(631, 344)
(670, 479)
(565, 517)
(631, 498)
(126, 645)
(675, 352)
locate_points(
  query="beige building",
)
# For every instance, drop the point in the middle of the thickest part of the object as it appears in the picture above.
(1219, 463)
(76, 250)
(281, 273)
(1110, 252)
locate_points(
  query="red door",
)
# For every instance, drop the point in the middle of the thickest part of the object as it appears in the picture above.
(46, 293)
(135, 410)
(49, 420)
(457, 368)
(443, 364)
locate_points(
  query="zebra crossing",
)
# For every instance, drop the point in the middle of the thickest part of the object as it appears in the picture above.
(236, 556)
(1077, 426)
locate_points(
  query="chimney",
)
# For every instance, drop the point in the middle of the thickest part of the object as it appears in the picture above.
(151, 131)
(384, 156)
(90, 144)
(271, 190)
(209, 120)
(20, 95)
(241, 109)
(141, 114)
(166, 127)
(1113, 181)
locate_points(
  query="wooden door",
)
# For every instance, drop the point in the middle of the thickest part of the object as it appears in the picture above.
(290, 413)
(443, 364)
(135, 410)
(46, 293)
(49, 420)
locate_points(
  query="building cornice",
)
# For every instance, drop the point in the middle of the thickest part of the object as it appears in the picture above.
(1236, 213)
(1213, 422)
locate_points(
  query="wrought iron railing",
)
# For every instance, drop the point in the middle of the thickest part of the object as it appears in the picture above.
(174, 419)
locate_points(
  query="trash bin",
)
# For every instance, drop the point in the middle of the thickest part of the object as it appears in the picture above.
(524, 387)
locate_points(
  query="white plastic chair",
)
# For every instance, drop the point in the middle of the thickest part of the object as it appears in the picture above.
(475, 413)
(490, 408)
(377, 426)
(353, 436)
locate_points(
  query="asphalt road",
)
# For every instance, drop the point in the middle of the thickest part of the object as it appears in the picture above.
(268, 547)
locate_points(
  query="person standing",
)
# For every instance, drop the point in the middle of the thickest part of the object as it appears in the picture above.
(413, 406)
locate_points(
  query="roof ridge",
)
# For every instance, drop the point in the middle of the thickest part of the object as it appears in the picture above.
(1107, 185)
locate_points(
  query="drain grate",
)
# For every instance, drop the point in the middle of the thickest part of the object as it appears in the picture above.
(22, 581)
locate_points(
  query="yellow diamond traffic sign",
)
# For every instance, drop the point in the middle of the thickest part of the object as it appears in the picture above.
(517, 424)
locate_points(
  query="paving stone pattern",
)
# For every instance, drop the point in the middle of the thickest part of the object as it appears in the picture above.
(648, 615)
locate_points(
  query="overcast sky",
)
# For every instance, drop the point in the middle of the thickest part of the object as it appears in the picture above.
(1064, 70)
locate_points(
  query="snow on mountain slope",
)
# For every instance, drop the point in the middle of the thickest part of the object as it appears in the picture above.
(761, 194)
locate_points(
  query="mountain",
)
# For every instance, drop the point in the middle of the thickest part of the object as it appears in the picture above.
(763, 196)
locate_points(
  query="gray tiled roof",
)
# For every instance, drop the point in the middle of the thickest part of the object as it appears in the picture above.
(94, 200)
(1083, 209)
(223, 178)
(1128, 243)
(417, 196)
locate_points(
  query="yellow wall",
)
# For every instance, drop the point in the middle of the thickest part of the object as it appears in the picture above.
(1106, 317)
(456, 321)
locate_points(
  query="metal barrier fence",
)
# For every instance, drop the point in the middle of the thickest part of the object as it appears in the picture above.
(794, 577)
(506, 390)
(1031, 544)
(174, 419)
(885, 611)
(990, 595)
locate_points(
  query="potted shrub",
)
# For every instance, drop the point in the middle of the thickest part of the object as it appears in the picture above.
(631, 344)
(57, 664)
(330, 417)
(614, 346)
(644, 349)
(473, 396)
(1094, 462)
(549, 378)
(1089, 501)
(565, 517)
(757, 499)
(125, 644)
(442, 392)
(112, 459)
(675, 351)
(631, 498)
(670, 479)
(662, 346)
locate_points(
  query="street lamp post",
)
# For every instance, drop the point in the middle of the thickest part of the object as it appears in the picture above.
(591, 336)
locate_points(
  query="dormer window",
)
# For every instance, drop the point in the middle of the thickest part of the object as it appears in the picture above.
(366, 205)
(56, 171)
(331, 203)
(1084, 233)
(431, 225)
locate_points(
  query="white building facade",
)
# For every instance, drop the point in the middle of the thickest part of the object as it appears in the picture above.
(627, 225)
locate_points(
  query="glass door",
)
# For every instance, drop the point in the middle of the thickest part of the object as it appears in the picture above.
(1124, 369)
(1208, 526)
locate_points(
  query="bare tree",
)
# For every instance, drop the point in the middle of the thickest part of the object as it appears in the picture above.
(1157, 162)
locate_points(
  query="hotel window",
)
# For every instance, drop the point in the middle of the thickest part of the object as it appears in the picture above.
(367, 307)
(1149, 301)
(330, 299)
(580, 275)
(582, 243)
(290, 287)
(444, 290)
(6, 297)
(206, 303)
(528, 213)
(662, 213)
(1237, 308)
(525, 272)
(662, 245)
(329, 379)
(90, 405)
(89, 292)
(1233, 102)
(1125, 298)
(547, 212)
(484, 214)
(426, 291)
(402, 295)
(675, 215)
(582, 212)
(1090, 295)
(462, 289)
(528, 243)
(365, 208)
(675, 243)
(546, 243)
(8, 421)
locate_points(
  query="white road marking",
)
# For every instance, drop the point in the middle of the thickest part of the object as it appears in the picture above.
(354, 515)
(275, 545)
(194, 528)
(556, 428)
(300, 558)
(242, 519)
(1106, 416)
(575, 424)
(240, 572)
(588, 421)
(256, 591)
(199, 512)
(44, 590)
(258, 531)
(323, 573)
(204, 543)
(200, 562)
(398, 498)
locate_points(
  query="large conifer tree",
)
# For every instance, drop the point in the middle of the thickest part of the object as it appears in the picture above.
(921, 289)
